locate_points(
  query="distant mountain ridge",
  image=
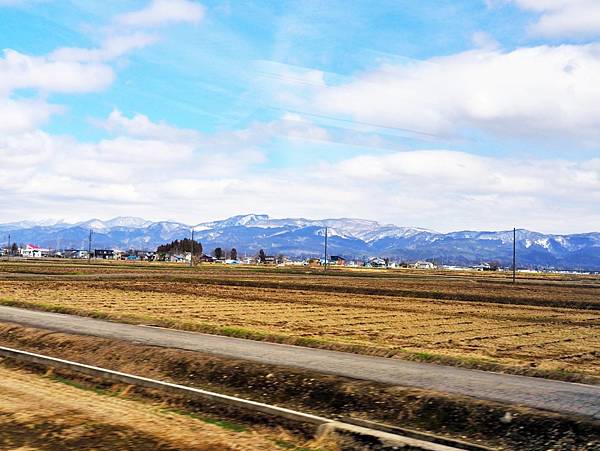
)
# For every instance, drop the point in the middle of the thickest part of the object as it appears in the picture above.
(351, 238)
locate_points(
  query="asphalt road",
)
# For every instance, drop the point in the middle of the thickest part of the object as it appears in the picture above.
(533, 392)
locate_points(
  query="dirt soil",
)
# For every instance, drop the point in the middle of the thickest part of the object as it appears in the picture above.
(41, 413)
(509, 427)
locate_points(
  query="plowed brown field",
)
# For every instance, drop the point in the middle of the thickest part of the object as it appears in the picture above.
(548, 324)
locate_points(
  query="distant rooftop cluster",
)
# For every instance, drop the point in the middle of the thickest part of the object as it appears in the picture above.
(354, 240)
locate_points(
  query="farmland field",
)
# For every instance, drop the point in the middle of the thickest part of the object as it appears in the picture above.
(544, 324)
(43, 413)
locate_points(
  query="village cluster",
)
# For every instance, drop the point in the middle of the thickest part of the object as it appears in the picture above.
(32, 251)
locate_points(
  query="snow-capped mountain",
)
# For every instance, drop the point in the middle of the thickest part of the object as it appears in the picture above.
(127, 222)
(299, 236)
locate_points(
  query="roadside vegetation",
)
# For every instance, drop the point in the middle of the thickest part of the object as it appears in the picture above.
(54, 412)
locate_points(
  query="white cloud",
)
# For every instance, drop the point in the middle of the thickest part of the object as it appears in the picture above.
(149, 164)
(162, 12)
(73, 70)
(23, 115)
(45, 75)
(564, 18)
(467, 174)
(215, 177)
(18, 70)
(290, 125)
(539, 92)
(142, 127)
(113, 47)
(484, 40)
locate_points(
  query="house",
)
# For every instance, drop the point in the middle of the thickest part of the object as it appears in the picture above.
(421, 264)
(206, 259)
(150, 256)
(337, 260)
(377, 263)
(75, 253)
(32, 251)
(105, 254)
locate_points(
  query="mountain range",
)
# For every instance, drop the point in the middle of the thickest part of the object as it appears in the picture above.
(351, 238)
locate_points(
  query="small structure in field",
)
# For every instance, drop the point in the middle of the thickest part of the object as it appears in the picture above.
(270, 260)
(76, 253)
(422, 264)
(377, 262)
(337, 260)
(107, 254)
(33, 251)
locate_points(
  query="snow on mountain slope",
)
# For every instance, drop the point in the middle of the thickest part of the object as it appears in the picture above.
(128, 222)
(299, 236)
(354, 228)
(30, 224)
(239, 220)
(121, 221)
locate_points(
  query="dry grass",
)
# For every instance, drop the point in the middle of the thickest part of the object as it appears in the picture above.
(326, 395)
(40, 413)
(469, 319)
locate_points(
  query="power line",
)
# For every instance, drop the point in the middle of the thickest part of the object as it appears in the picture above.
(353, 121)
(299, 81)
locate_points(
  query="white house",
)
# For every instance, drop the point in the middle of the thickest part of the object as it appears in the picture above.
(424, 265)
(32, 251)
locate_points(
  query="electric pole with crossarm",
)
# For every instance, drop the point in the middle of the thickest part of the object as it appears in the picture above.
(192, 250)
(514, 265)
(90, 247)
(326, 248)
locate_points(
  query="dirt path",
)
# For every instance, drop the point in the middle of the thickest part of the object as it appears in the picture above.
(533, 392)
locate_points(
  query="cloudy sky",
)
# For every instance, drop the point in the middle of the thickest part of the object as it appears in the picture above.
(446, 114)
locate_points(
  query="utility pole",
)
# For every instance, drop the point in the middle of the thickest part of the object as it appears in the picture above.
(514, 265)
(9, 250)
(325, 248)
(90, 247)
(192, 252)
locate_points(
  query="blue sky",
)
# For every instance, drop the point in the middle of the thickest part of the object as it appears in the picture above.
(441, 114)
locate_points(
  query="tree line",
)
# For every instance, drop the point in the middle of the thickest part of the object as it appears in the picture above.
(186, 245)
(220, 253)
(181, 247)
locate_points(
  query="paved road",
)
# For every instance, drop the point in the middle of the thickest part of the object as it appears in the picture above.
(539, 393)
